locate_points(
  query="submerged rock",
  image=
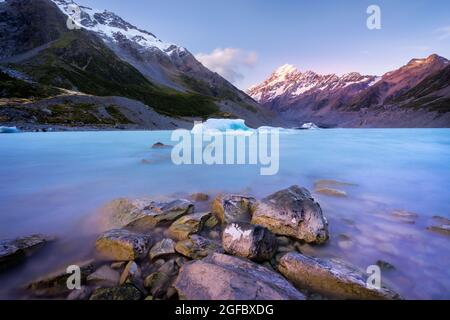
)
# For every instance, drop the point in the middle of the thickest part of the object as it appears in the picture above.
(222, 277)
(292, 212)
(442, 229)
(55, 284)
(160, 145)
(233, 208)
(197, 247)
(126, 292)
(441, 220)
(14, 250)
(249, 241)
(331, 278)
(144, 214)
(384, 265)
(332, 192)
(187, 225)
(162, 248)
(123, 245)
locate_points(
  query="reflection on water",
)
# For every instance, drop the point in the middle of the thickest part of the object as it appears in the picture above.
(52, 183)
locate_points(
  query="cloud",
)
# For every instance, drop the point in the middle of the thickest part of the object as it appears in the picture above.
(443, 33)
(230, 63)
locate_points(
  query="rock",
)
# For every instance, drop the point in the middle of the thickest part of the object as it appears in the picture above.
(385, 266)
(441, 220)
(180, 261)
(332, 192)
(82, 294)
(55, 284)
(233, 208)
(132, 273)
(283, 241)
(199, 197)
(326, 183)
(13, 251)
(118, 265)
(330, 278)
(188, 225)
(157, 283)
(404, 214)
(442, 229)
(144, 214)
(126, 292)
(122, 245)
(160, 145)
(105, 276)
(215, 235)
(292, 212)
(222, 277)
(249, 241)
(197, 247)
(212, 222)
(162, 248)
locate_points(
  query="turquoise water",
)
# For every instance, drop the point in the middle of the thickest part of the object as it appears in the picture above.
(53, 183)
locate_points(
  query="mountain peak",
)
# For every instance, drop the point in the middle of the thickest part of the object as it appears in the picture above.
(285, 69)
(434, 58)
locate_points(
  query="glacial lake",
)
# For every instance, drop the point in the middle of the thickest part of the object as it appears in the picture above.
(54, 183)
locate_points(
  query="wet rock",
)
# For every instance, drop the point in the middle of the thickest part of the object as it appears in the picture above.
(160, 145)
(82, 294)
(188, 225)
(330, 278)
(144, 214)
(123, 245)
(344, 242)
(292, 212)
(162, 248)
(442, 229)
(159, 282)
(233, 208)
(126, 292)
(249, 241)
(405, 216)
(327, 183)
(199, 197)
(105, 276)
(222, 277)
(55, 284)
(13, 251)
(441, 220)
(385, 266)
(197, 247)
(332, 192)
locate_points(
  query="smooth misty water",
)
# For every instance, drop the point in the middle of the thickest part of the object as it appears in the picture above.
(52, 183)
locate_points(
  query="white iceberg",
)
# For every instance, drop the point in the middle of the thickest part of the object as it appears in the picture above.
(9, 130)
(217, 126)
(309, 126)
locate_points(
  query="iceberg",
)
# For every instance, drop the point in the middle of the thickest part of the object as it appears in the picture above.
(214, 126)
(9, 130)
(308, 126)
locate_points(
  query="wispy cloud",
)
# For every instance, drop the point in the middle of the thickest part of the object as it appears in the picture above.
(443, 33)
(228, 62)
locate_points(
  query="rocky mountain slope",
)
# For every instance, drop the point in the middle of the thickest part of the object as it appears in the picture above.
(107, 56)
(416, 94)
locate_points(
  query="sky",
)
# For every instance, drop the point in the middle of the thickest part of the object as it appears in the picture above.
(245, 40)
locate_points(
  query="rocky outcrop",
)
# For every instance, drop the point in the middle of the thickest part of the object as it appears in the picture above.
(188, 225)
(331, 278)
(249, 241)
(126, 292)
(14, 250)
(197, 247)
(144, 214)
(123, 245)
(162, 248)
(232, 208)
(292, 212)
(222, 277)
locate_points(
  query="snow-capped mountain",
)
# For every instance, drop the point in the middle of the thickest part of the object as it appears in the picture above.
(288, 82)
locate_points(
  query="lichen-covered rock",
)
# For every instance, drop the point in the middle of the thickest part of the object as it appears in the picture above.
(249, 241)
(188, 225)
(223, 277)
(162, 248)
(197, 247)
(13, 250)
(292, 212)
(126, 292)
(105, 276)
(123, 245)
(144, 214)
(331, 278)
(55, 284)
(233, 208)
(159, 282)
